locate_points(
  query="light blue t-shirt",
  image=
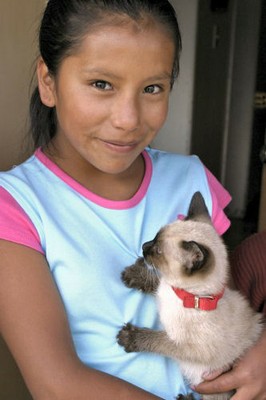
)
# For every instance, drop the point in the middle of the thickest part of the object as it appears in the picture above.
(88, 241)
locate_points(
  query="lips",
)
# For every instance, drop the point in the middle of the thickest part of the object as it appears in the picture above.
(119, 146)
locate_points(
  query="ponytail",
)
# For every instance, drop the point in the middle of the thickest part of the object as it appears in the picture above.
(42, 121)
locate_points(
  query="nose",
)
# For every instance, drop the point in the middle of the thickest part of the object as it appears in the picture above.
(126, 113)
(146, 247)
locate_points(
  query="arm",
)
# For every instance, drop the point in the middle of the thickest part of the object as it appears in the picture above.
(248, 266)
(34, 325)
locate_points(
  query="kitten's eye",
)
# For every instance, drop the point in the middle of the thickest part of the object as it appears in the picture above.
(158, 250)
(102, 85)
(152, 89)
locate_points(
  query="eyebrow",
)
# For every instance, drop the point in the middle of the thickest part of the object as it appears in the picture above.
(163, 76)
(99, 71)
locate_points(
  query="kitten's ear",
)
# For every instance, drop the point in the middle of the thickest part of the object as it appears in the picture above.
(196, 256)
(197, 209)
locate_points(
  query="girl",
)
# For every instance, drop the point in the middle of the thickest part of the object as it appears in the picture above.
(77, 212)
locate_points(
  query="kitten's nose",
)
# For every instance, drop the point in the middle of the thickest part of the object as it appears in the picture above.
(146, 247)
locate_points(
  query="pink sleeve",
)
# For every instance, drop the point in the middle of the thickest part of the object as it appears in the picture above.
(220, 199)
(15, 225)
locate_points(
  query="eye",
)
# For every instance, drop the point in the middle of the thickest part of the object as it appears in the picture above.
(102, 85)
(153, 89)
(158, 249)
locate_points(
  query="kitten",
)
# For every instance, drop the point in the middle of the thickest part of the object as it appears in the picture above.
(207, 326)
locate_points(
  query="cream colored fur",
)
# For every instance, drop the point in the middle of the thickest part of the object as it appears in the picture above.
(209, 340)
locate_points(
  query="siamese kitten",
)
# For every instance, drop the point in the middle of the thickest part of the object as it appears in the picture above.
(207, 326)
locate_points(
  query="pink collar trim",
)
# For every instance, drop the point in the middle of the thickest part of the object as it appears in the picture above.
(115, 205)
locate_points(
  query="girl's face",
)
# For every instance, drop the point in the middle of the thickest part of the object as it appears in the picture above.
(111, 97)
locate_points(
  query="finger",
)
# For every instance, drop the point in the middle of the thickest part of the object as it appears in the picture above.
(247, 393)
(224, 383)
(209, 376)
(241, 396)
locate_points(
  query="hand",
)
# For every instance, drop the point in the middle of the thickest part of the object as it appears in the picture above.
(248, 376)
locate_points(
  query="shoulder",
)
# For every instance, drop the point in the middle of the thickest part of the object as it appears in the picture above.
(183, 175)
(160, 155)
(178, 169)
(21, 174)
(174, 163)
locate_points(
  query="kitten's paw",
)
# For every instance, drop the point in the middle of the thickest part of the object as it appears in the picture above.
(130, 277)
(139, 276)
(133, 276)
(185, 397)
(127, 338)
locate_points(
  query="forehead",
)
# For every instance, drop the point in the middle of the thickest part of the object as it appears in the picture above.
(187, 230)
(143, 23)
(145, 43)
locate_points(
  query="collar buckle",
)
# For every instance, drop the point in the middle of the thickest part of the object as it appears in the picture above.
(198, 298)
(196, 302)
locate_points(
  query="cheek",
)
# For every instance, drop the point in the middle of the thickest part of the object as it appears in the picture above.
(156, 115)
(162, 263)
(79, 113)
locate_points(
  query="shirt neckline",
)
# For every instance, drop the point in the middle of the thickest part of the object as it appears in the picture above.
(100, 201)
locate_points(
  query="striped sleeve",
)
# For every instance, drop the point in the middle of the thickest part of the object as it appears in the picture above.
(248, 265)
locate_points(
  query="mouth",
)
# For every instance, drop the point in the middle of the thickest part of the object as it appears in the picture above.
(146, 251)
(119, 147)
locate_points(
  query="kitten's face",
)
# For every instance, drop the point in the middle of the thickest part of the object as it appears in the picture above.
(189, 254)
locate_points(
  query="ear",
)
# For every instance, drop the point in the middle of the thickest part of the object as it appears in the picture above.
(46, 84)
(197, 209)
(197, 256)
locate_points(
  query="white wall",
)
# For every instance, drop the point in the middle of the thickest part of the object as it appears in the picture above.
(176, 134)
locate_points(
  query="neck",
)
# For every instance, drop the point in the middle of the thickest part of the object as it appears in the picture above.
(117, 187)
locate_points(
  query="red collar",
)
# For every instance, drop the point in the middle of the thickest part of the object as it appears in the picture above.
(205, 303)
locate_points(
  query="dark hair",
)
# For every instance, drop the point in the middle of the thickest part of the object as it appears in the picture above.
(63, 26)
